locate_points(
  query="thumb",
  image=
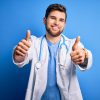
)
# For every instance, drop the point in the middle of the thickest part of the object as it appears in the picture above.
(28, 34)
(76, 43)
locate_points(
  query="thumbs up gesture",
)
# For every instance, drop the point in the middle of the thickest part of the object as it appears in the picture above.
(77, 54)
(22, 48)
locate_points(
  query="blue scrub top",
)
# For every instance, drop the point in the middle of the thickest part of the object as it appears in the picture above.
(52, 91)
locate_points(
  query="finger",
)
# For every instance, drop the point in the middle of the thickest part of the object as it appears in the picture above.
(74, 53)
(78, 60)
(19, 53)
(21, 50)
(26, 43)
(23, 46)
(28, 35)
(75, 46)
(76, 57)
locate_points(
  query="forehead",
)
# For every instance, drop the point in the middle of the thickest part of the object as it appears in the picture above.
(58, 14)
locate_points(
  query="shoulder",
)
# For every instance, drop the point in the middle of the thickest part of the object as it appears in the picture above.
(71, 41)
(68, 39)
(35, 39)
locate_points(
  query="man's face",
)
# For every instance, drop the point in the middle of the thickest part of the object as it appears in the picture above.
(55, 23)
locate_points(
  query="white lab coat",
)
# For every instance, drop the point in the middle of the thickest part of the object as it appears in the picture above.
(65, 70)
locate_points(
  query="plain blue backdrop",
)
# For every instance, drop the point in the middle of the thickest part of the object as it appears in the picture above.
(16, 16)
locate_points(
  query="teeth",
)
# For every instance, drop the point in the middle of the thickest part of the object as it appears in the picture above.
(55, 28)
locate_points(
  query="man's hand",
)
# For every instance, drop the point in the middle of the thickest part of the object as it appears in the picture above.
(77, 54)
(22, 48)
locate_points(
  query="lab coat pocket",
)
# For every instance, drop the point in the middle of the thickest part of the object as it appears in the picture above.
(64, 77)
(37, 67)
(65, 69)
(67, 62)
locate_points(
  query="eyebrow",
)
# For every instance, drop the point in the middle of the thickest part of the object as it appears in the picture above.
(55, 17)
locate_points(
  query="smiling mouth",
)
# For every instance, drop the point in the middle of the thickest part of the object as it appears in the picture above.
(55, 28)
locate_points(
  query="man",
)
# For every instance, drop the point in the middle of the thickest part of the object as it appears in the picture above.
(54, 59)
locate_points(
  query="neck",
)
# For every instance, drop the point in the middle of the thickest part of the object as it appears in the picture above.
(53, 39)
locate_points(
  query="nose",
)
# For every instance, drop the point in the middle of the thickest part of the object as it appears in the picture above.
(56, 22)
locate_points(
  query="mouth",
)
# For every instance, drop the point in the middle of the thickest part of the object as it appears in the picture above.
(55, 28)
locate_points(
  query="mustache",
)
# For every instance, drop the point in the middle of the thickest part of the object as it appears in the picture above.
(50, 32)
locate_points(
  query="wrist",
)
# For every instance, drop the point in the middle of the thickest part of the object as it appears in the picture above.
(86, 53)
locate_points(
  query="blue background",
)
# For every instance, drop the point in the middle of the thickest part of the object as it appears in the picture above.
(16, 16)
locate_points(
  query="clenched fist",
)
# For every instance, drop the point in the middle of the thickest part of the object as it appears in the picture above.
(23, 46)
(78, 53)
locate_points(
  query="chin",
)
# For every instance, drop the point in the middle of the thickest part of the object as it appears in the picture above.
(55, 34)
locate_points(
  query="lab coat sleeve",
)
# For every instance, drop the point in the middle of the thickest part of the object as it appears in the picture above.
(28, 55)
(89, 64)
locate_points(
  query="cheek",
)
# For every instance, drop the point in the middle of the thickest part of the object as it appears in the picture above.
(62, 25)
(48, 23)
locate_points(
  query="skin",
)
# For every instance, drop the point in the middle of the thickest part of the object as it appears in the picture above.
(77, 54)
(23, 46)
(54, 25)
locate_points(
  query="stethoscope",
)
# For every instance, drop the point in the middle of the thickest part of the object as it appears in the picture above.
(60, 46)
(61, 43)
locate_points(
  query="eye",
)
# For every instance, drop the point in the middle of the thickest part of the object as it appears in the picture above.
(52, 17)
(62, 20)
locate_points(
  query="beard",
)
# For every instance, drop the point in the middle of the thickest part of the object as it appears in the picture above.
(53, 34)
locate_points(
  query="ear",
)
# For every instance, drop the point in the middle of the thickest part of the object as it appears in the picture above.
(44, 20)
